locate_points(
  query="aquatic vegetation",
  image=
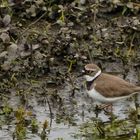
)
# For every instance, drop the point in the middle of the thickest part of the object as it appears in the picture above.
(44, 134)
(34, 126)
(21, 123)
(44, 46)
(110, 130)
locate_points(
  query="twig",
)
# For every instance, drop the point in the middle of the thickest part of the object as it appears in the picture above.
(89, 53)
(49, 105)
(31, 49)
(131, 44)
(32, 24)
(71, 81)
(49, 110)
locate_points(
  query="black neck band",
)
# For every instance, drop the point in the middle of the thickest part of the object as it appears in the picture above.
(89, 83)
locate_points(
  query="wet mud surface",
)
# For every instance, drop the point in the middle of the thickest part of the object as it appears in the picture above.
(69, 115)
(44, 46)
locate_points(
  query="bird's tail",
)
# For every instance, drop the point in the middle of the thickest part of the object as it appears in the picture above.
(137, 89)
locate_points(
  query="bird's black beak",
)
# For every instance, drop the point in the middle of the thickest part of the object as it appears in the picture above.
(83, 72)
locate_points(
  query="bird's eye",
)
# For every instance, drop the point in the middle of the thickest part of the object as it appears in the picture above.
(88, 71)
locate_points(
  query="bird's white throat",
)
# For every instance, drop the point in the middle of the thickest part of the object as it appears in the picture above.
(91, 78)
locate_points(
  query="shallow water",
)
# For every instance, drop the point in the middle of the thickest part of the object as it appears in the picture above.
(68, 120)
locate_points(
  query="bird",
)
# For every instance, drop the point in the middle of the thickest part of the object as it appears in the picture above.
(107, 88)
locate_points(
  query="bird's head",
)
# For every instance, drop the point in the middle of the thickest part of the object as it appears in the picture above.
(91, 71)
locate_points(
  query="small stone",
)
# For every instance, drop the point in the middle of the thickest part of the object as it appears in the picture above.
(5, 37)
(82, 2)
(3, 54)
(7, 20)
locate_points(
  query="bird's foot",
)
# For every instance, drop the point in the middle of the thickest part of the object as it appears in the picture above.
(106, 107)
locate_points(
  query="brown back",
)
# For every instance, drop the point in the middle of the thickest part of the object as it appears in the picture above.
(112, 86)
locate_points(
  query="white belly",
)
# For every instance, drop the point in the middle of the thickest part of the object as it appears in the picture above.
(98, 97)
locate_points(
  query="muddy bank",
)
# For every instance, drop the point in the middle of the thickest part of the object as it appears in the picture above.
(44, 47)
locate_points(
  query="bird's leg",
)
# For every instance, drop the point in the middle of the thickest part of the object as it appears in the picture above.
(106, 107)
(97, 111)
